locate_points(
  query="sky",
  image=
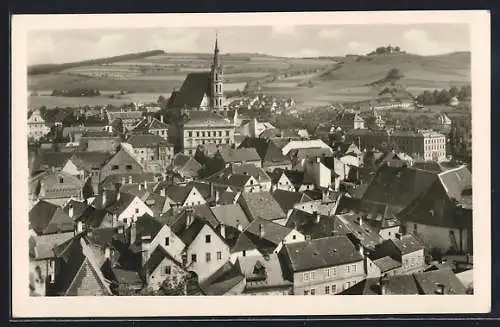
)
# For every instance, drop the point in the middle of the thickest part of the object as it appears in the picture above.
(59, 46)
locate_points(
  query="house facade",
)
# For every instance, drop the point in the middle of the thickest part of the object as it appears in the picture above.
(37, 127)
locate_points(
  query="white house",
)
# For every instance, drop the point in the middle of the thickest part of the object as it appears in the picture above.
(206, 250)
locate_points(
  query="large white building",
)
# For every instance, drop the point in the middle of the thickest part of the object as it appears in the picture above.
(37, 127)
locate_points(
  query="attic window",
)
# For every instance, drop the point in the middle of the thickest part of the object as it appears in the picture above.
(129, 167)
(61, 180)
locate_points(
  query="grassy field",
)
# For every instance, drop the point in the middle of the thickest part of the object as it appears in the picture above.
(310, 81)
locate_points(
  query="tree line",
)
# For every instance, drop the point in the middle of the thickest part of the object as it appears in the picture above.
(77, 92)
(55, 68)
(444, 96)
(387, 49)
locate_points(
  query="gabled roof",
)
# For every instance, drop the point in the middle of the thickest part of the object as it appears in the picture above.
(185, 165)
(147, 226)
(89, 160)
(47, 218)
(194, 88)
(93, 217)
(78, 208)
(230, 215)
(76, 258)
(192, 231)
(57, 184)
(157, 256)
(396, 285)
(156, 203)
(145, 125)
(263, 267)
(113, 205)
(429, 281)
(287, 199)
(124, 178)
(273, 234)
(455, 181)
(274, 156)
(178, 193)
(176, 218)
(41, 246)
(146, 140)
(230, 155)
(227, 277)
(321, 252)
(262, 205)
(205, 189)
(386, 264)
(243, 243)
(306, 223)
(398, 186)
(366, 234)
(407, 244)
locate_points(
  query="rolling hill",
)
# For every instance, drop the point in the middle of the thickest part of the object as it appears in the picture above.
(311, 81)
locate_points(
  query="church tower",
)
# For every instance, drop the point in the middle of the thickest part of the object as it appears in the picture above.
(216, 79)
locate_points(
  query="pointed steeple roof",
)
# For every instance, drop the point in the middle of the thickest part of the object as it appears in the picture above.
(216, 61)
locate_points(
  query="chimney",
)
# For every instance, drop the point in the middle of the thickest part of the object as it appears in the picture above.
(162, 191)
(239, 227)
(104, 198)
(360, 220)
(317, 217)
(145, 242)
(308, 237)
(133, 233)
(124, 180)
(161, 118)
(79, 228)
(71, 211)
(217, 196)
(223, 230)
(140, 186)
(130, 179)
(261, 230)
(318, 159)
(189, 217)
(398, 236)
(145, 184)
(120, 230)
(212, 190)
(107, 252)
(439, 289)
(384, 280)
(118, 196)
(360, 249)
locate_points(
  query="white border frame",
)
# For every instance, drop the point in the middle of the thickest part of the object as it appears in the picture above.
(25, 306)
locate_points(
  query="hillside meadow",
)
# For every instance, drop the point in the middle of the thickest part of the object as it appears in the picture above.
(310, 81)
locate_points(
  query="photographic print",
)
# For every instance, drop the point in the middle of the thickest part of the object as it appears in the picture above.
(230, 156)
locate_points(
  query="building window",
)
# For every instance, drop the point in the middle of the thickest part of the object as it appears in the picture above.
(193, 257)
(190, 134)
(227, 133)
(327, 289)
(313, 275)
(353, 268)
(327, 272)
(61, 180)
(294, 237)
(219, 255)
(114, 167)
(306, 292)
(334, 271)
(347, 285)
(129, 167)
(415, 228)
(306, 276)
(348, 269)
(334, 288)
(244, 253)
(208, 257)
(313, 291)
(168, 270)
(208, 238)
(202, 134)
(136, 210)
(167, 241)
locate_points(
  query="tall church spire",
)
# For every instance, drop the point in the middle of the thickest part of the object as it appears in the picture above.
(217, 79)
(216, 61)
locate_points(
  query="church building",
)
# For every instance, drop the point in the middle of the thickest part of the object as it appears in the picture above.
(201, 90)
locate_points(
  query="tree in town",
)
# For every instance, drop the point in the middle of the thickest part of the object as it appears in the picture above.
(454, 91)
(444, 97)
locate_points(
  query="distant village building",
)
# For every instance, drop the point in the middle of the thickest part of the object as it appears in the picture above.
(37, 127)
(428, 144)
(453, 102)
(349, 120)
